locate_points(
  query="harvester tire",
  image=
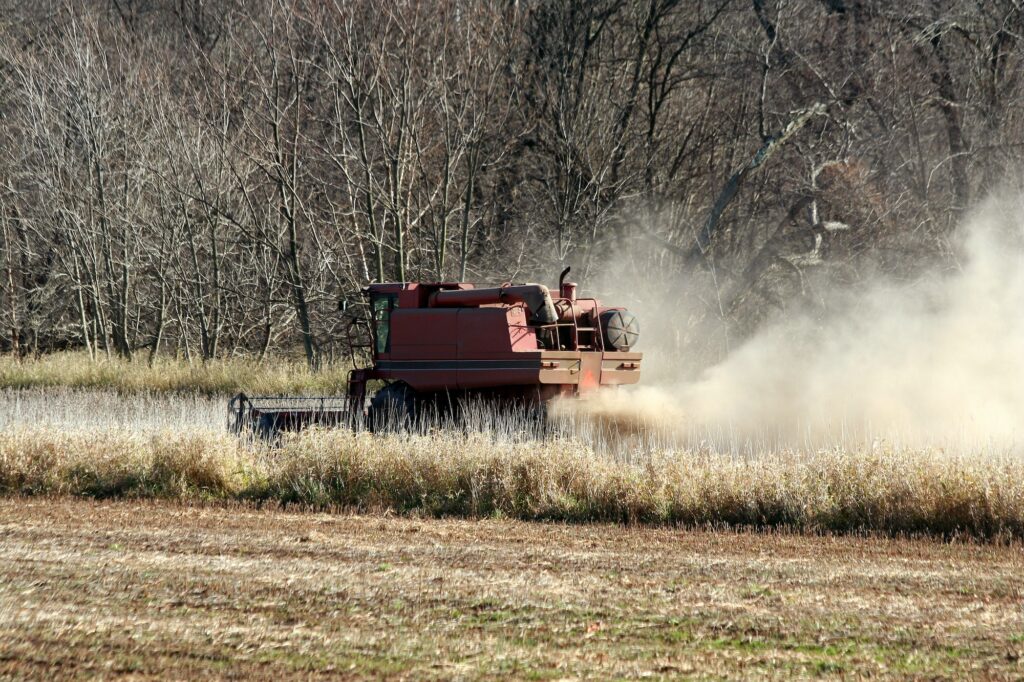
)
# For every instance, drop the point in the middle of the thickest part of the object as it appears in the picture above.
(393, 408)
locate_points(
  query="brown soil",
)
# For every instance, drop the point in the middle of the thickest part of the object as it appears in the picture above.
(159, 590)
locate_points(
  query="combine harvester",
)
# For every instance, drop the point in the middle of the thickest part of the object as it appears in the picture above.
(436, 345)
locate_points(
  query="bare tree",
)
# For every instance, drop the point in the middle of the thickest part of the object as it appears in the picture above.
(209, 178)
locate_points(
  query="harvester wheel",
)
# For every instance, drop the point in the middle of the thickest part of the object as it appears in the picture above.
(393, 408)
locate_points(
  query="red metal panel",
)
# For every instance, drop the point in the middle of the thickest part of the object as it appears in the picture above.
(425, 380)
(483, 333)
(409, 297)
(523, 338)
(424, 352)
(425, 336)
(590, 371)
(470, 377)
(486, 355)
(424, 333)
(620, 368)
(560, 367)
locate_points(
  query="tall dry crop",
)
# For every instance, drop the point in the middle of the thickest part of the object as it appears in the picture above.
(454, 474)
(168, 375)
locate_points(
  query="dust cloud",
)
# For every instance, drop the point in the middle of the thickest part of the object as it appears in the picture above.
(937, 363)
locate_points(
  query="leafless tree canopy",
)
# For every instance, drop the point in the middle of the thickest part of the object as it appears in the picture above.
(210, 177)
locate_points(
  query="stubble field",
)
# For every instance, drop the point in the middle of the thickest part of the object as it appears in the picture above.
(140, 589)
(138, 539)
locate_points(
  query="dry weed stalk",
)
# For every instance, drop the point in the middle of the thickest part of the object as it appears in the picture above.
(448, 473)
(167, 375)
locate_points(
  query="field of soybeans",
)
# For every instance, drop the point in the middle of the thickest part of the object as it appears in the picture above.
(140, 538)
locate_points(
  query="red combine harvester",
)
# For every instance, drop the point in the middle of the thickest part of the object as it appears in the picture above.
(436, 344)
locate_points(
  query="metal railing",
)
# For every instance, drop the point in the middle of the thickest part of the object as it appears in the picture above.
(263, 413)
(597, 337)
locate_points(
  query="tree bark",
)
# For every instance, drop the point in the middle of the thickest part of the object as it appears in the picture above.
(698, 253)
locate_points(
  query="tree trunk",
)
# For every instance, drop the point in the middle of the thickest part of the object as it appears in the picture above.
(732, 186)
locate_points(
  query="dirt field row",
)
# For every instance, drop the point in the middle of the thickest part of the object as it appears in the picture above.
(110, 589)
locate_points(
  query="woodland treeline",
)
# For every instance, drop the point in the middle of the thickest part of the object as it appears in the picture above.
(210, 177)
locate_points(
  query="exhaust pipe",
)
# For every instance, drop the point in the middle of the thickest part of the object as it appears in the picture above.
(566, 290)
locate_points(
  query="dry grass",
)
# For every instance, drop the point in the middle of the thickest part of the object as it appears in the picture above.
(167, 375)
(229, 586)
(477, 475)
(141, 590)
(101, 445)
(64, 410)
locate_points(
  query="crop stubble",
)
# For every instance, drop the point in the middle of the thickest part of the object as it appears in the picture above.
(153, 588)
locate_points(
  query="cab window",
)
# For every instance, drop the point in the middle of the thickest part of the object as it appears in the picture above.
(382, 307)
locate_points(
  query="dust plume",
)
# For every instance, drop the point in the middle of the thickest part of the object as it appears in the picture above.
(936, 363)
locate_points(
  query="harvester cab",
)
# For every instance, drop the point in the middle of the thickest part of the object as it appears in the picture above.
(433, 345)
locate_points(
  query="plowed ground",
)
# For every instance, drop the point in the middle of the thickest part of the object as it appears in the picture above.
(151, 589)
